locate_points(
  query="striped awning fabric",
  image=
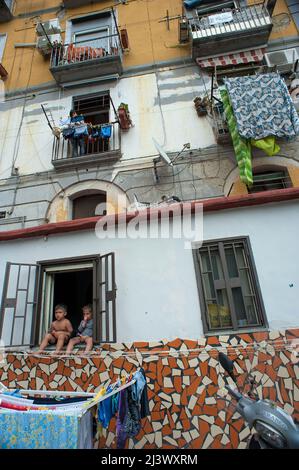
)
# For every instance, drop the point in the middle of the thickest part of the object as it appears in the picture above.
(245, 57)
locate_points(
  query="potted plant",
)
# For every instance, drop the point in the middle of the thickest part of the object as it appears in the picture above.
(201, 105)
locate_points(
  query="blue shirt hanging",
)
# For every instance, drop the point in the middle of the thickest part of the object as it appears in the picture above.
(106, 131)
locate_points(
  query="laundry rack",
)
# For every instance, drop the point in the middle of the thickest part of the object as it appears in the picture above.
(74, 420)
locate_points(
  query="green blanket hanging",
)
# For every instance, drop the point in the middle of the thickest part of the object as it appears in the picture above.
(241, 146)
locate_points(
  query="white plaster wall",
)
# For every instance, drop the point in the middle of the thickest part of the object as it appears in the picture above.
(157, 294)
(169, 117)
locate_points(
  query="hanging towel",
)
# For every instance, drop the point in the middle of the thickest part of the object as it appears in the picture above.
(241, 146)
(138, 386)
(132, 421)
(105, 410)
(80, 130)
(262, 106)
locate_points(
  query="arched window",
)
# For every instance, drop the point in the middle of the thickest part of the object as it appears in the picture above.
(268, 178)
(85, 205)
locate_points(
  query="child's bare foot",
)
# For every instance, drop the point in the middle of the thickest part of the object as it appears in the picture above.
(56, 353)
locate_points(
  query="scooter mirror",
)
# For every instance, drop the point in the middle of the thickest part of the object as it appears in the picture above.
(226, 363)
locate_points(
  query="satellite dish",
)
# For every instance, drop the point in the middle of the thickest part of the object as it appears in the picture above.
(162, 153)
(280, 22)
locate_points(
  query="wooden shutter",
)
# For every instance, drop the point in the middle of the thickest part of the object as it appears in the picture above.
(105, 318)
(18, 308)
(124, 39)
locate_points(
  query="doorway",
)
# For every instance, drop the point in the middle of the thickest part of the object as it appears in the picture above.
(74, 289)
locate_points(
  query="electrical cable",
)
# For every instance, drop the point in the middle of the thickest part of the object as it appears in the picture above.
(239, 349)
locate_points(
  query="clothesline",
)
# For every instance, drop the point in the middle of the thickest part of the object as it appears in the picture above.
(55, 393)
(254, 346)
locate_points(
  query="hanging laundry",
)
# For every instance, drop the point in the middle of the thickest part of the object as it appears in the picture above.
(106, 131)
(132, 420)
(105, 410)
(121, 419)
(241, 146)
(45, 430)
(144, 401)
(262, 106)
(138, 386)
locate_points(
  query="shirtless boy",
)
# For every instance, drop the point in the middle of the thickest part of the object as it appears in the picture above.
(60, 331)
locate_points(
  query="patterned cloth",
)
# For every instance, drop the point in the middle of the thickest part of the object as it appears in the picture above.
(262, 106)
(44, 430)
(241, 146)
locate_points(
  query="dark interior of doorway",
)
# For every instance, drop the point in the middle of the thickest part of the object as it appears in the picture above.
(74, 289)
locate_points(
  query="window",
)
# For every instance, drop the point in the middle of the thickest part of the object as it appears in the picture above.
(95, 38)
(92, 30)
(2, 45)
(228, 286)
(2, 214)
(95, 108)
(85, 206)
(31, 291)
(267, 180)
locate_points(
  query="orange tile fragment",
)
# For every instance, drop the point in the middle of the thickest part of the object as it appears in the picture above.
(176, 343)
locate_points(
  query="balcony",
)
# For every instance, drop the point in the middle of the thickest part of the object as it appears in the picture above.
(245, 28)
(97, 150)
(71, 63)
(6, 10)
(79, 3)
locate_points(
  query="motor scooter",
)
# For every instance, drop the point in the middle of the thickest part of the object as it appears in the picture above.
(272, 427)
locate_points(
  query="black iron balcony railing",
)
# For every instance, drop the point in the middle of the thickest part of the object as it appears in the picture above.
(96, 146)
(231, 22)
(88, 59)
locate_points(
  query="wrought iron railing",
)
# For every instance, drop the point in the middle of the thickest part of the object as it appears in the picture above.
(218, 123)
(83, 51)
(93, 144)
(237, 20)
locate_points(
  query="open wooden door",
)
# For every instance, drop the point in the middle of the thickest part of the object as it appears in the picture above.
(18, 308)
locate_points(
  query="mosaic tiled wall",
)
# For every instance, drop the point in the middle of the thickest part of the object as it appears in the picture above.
(183, 380)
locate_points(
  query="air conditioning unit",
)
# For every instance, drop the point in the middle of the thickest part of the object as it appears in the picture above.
(48, 27)
(43, 44)
(283, 60)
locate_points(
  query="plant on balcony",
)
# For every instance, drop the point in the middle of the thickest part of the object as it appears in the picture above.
(124, 116)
